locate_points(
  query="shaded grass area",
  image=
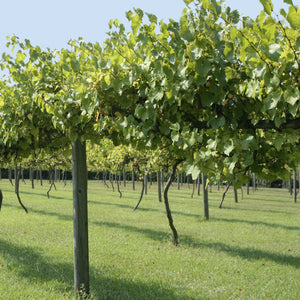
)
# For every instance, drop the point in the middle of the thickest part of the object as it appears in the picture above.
(248, 250)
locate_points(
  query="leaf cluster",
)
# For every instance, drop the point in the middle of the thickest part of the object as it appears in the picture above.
(214, 89)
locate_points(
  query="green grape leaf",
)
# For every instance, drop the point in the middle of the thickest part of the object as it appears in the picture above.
(75, 65)
(291, 95)
(272, 99)
(217, 122)
(187, 35)
(175, 127)
(298, 43)
(192, 169)
(187, 30)
(279, 141)
(271, 81)
(196, 53)
(141, 112)
(107, 79)
(293, 17)
(249, 143)
(135, 23)
(268, 6)
(294, 109)
(152, 18)
(283, 13)
(203, 67)
(290, 2)
(275, 51)
(175, 136)
(117, 59)
(20, 57)
(228, 148)
(206, 99)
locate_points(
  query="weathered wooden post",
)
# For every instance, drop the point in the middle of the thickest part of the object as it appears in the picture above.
(205, 197)
(80, 219)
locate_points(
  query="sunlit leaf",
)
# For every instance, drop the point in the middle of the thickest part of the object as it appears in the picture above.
(268, 6)
(293, 17)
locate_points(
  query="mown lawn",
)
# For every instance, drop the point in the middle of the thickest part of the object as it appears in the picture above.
(247, 250)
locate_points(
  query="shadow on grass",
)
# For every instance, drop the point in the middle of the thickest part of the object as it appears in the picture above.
(254, 254)
(45, 197)
(247, 253)
(162, 236)
(155, 235)
(141, 208)
(42, 212)
(27, 262)
(257, 209)
(285, 199)
(115, 204)
(257, 223)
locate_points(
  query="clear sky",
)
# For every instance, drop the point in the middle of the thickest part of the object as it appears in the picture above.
(53, 23)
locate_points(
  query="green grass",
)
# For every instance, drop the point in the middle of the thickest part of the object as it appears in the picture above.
(248, 250)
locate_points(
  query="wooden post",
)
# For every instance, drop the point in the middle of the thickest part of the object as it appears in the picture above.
(124, 177)
(295, 186)
(41, 176)
(254, 183)
(16, 179)
(133, 179)
(247, 188)
(10, 176)
(205, 197)
(80, 220)
(159, 185)
(199, 184)
(290, 185)
(145, 182)
(162, 179)
(299, 178)
(235, 195)
(31, 176)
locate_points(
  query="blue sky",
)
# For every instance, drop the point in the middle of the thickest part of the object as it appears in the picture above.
(52, 23)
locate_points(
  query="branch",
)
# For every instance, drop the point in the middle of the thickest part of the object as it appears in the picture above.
(224, 194)
(246, 124)
(166, 201)
(289, 41)
(289, 124)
